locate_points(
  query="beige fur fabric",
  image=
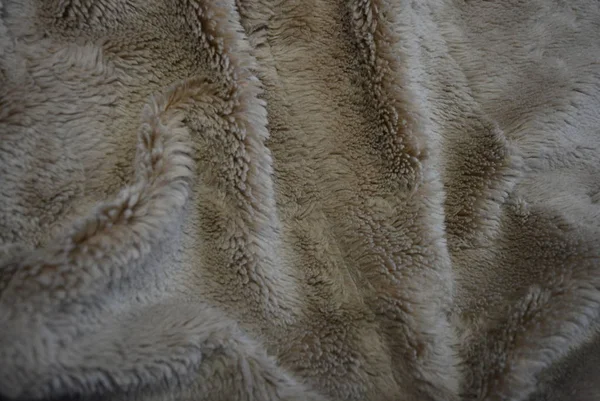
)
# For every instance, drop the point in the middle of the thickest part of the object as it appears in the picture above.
(300, 200)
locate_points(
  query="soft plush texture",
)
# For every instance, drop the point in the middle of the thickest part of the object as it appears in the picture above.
(300, 200)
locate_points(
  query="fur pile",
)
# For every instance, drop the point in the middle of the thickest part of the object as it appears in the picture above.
(300, 200)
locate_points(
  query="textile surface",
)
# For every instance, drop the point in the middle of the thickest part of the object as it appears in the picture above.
(299, 200)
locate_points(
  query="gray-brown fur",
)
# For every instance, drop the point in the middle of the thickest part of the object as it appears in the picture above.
(299, 200)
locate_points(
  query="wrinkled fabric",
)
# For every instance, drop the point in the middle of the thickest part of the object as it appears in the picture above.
(285, 200)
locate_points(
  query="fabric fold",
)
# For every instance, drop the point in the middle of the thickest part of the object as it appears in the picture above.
(281, 200)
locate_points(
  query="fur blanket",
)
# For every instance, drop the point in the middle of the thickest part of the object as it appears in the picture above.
(299, 200)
